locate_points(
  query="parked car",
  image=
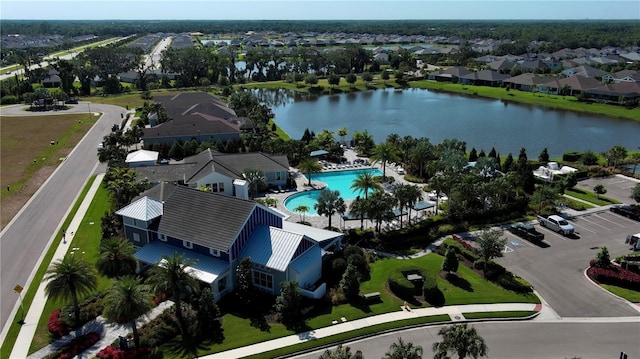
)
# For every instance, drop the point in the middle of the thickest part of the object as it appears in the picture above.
(526, 231)
(626, 210)
(556, 224)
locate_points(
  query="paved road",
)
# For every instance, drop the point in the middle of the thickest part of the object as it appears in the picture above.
(511, 340)
(28, 235)
(153, 59)
(556, 270)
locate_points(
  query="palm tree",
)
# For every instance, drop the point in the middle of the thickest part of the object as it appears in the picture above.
(69, 278)
(329, 203)
(127, 300)
(116, 258)
(385, 152)
(359, 208)
(380, 208)
(364, 182)
(309, 166)
(302, 209)
(342, 132)
(407, 196)
(460, 339)
(402, 350)
(256, 180)
(173, 275)
(341, 352)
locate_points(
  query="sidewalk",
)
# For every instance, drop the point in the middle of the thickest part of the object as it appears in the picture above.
(455, 312)
(28, 330)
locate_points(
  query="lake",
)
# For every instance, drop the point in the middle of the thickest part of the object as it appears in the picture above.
(481, 123)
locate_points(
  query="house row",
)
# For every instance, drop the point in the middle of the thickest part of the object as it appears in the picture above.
(217, 231)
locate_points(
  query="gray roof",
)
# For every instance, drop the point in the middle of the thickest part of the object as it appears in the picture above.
(164, 173)
(159, 192)
(196, 125)
(233, 165)
(188, 103)
(144, 209)
(208, 219)
(272, 247)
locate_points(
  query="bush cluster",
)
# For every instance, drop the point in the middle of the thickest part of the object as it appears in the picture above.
(401, 286)
(512, 282)
(112, 352)
(160, 330)
(76, 346)
(615, 275)
(90, 308)
(464, 243)
(55, 326)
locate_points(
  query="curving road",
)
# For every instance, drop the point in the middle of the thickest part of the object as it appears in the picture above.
(531, 339)
(27, 237)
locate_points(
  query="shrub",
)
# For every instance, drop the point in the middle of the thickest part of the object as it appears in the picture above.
(446, 229)
(336, 295)
(90, 308)
(113, 352)
(512, 282)
(159, 330)
(55, 326)
(464, 243)
(615, 275)
(76, 346)
(492, 270)
(9, 100)
(571, 156)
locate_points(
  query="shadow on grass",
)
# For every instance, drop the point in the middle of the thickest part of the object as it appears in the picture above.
(185, 347)
(260, 322)
(459, 282)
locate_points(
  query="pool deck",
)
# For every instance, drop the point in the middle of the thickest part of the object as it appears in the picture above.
(323, 221)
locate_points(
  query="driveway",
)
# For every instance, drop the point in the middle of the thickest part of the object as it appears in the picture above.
(556, 268)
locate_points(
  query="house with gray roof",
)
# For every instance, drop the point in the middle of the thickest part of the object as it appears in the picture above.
(218, 231)
(484, 78)
(218, 171)
(197, 126)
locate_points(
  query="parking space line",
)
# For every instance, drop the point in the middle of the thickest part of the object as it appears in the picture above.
(608, 220)
(557, 234)
(585, 228)
(594, 223)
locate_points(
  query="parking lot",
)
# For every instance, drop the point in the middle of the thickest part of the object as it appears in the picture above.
(618, 187)
(556, 266)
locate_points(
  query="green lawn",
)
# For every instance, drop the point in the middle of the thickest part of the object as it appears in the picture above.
(87, 239)
(631, 295)
(590, 197)
(239, 332)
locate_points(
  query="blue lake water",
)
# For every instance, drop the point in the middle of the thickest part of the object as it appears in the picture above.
(481, 123)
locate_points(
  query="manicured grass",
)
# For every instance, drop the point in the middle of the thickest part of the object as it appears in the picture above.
(555, 102)
(339, 338)
(16, 157)
(631, 295)
(505, 314)
(576, 205)
(87, 239)
(590, 197)
(9, 342)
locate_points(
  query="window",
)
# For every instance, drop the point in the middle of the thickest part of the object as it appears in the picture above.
(278, 176)
(187, 244)
(214, 252)
(135, 222)
(222, 284)
(163, 237)
(221, 187)
(136, 237)
(263, 279)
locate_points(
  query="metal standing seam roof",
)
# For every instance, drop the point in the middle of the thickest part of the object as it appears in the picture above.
(206, 269)
(317, 234)
(423, 205)
(309, 257)
(272, 247)
(143, 209)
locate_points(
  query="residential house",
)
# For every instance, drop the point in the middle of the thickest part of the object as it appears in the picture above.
(502, 65)
(526, 82)
(484, 78)
(569, 86)
(616, 92)
(217, 231)
(622, 76)
(218, 171)
(198, 126)
(451, 74)
(52, 79)
(584, 70)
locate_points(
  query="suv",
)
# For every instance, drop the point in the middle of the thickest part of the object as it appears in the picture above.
(626, 210)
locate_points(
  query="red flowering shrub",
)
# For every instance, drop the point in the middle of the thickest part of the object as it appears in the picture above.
(112, 352)
(159, 299)
(55, 326)
(464, 243)
(76, 346)
(615, 275)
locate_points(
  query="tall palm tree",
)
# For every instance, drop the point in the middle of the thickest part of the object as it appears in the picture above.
(359, 208)
(329, 203)
(115, 258)
(380, 208)
(127, 300)
(69, 278)
(384, 153)
(402, 350)
(407, 196)
(309, 166)
(460, 339)
(342, 132)
(172, 275)
(256, 180)
(364, 182)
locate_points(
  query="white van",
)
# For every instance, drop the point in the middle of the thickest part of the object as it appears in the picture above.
(634, 240)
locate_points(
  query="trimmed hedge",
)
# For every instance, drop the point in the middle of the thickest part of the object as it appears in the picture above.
(615, 275)
(512, 282)
(112, 352)
(90, 308)
(400, 285)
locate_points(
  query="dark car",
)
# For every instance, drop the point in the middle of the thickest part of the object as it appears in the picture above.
(626, 210)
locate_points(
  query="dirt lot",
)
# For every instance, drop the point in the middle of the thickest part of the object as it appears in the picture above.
(27, 157)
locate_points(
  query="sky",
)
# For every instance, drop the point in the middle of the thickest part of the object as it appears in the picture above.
(319, 10)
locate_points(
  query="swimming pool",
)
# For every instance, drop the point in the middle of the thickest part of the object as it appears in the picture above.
(337, 180)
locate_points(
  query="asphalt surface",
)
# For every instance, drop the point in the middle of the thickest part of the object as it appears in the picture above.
(26, 238)
(510, 340)
(557, 271)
